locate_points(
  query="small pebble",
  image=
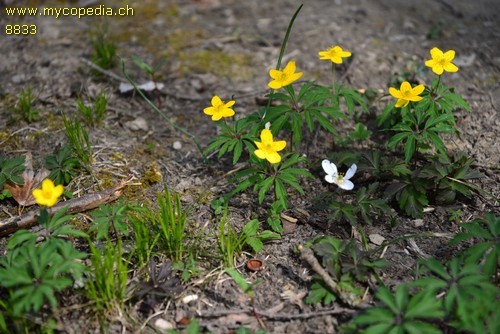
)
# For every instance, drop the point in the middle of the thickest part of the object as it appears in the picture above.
(163, 325)
(376, 239)
(189, 299)
(137, 124)
(177, 145)
(419, 222)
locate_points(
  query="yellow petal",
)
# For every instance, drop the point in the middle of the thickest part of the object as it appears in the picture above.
(450, 67)
(430, 63)
(209, 111)
(418, 89)
(345, 54)
(279, 145)
(229, 104)
(436, 53)
(37, 193)
(259, 145)
(336, 59)
(226, 112)
(58, 191)
(402, 103)
(405, 86)
(260, 154)
(273, 158)
(415, 98)
(216, 117)
(290, 67)
(47, 185)
(216, 101)
(438, 69)
(266, 136)
(274, 73)
(275, 84)
(395, 93)
(449, 55)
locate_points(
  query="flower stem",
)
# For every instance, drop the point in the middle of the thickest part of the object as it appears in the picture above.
(435, 90)
(333, 77)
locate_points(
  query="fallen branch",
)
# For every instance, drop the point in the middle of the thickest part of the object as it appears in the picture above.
(81, 204)
(349, 298)
(278, 316)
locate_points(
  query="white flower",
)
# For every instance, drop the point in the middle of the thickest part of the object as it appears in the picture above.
(332, 175)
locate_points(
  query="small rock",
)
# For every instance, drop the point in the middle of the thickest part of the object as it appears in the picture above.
(137, 124)
(189, 298)
(177, 145)
(163, 325)
(419, 222)
(197, 84)
(18, 78)
(465, 60)
(376, 239)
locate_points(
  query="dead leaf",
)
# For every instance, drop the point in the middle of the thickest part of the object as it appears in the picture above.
(23, 194)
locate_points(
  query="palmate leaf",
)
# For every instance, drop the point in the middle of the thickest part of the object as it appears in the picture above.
(450, 101)
(264, 187)
(11, 170)
(322, 120)
(396, 139)
(409, 147)
(320, 294)
(281, 193)
(410, 195)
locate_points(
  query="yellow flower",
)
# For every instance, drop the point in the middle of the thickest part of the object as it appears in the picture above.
(405, 94)
(49, 194)
(285, 77)
(441, 62)
(267, 148)
(219, 109)
(335, 54)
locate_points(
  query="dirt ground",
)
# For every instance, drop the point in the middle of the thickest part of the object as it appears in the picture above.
(226, 48)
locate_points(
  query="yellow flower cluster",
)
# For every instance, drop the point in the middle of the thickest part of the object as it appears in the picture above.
(440, 62)
(268, 149)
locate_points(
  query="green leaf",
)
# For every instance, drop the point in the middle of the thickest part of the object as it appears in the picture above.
(385, 296)
(255, 243)
(11, 170)
(142, 65)
(236, 276)
(324, 122)
(238, 149)
(250, 229)
(409, 148)
(264, 186)
(396, 139)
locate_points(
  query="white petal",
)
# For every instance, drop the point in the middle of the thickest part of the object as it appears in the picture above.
(330, 179)
(329, 168)
(350, 172)
(346, 184)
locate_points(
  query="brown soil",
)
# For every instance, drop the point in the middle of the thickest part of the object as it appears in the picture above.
(226, 47)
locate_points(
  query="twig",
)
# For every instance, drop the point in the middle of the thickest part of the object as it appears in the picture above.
(277, 316)
(84, 203)
(307, 255)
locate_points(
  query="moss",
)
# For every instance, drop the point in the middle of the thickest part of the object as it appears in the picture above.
(151, 176)
(217, 62)
(54, 122)
(181, 39)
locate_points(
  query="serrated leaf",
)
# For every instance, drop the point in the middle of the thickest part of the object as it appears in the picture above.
(264, 186)
(394, 140)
